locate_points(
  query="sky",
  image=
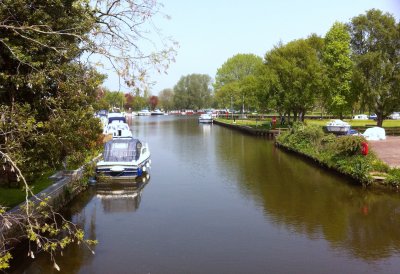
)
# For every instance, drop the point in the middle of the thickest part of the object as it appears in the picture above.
(209, 32)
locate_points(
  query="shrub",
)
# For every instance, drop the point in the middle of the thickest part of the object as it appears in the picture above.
(348, 145)
(393, 177)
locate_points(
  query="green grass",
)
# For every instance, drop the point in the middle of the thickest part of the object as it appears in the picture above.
(10, 197)
(261, 124)
(356, 123)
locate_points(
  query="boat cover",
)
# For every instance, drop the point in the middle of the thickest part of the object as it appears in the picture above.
(122, 150)
(375, 134)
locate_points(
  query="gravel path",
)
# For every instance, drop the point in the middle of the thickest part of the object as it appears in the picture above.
(388, 150)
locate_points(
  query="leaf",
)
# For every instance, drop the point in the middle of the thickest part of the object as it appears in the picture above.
(56, 266)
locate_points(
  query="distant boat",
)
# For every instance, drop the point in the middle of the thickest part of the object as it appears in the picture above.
(124, 159)
(116, 116)
(157, 112)
(205, 118)
(118, 130)
(144, 112)
(338, 127)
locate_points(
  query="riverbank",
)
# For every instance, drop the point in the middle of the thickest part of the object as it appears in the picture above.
(66, 186)
(378, 168)
(267, 132)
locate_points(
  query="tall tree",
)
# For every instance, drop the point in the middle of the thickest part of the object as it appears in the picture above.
(336, 56)
(153, 102)
(166, 98)
(231, 81)
(47, 78)
(375, 41)
(193, 92)
(298, 76)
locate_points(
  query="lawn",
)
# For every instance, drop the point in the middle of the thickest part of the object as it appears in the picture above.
(356, 123)
(10, 197)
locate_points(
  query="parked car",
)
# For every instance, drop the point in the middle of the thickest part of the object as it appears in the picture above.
(395, 116)
(360, 117)
(373, 116)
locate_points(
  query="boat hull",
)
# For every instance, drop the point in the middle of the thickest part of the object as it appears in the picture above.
(205, 120)
(122, 171)
(338, 129)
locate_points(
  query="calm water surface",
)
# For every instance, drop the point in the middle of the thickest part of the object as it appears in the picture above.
(219, 201)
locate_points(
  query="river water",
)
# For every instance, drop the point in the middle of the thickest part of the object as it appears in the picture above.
(219, 201)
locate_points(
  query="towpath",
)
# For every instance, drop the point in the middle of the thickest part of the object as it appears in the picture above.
(388, 150)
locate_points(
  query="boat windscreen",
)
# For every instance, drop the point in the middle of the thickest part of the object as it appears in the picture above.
(121, 119)
(120, 151)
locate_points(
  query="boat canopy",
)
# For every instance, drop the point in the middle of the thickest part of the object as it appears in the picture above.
(122, 150)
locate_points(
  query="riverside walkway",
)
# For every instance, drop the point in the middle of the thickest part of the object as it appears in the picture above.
(388, 150)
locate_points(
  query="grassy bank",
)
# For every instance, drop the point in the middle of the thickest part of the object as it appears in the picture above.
(255, 123)
(340, 153)
(12, 196)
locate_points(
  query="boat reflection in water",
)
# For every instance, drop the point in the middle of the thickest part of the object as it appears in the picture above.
(121, 196)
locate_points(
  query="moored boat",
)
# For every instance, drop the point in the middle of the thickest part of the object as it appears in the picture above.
(205, 118)
(124, 158)
(157, 112)
(338, 127)
(144, 112)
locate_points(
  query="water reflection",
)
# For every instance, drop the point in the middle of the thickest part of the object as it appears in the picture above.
(311, 201)
(121, 197)
(223, 202)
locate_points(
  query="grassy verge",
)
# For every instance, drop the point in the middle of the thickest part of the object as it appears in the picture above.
(259, 124)
(12, 196)
(340, 153)
(356, 123)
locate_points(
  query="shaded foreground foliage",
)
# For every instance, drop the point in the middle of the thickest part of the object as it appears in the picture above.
(341, 153)
(48, 91)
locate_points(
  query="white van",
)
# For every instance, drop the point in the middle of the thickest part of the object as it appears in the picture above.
(360, 117)
(395, 116)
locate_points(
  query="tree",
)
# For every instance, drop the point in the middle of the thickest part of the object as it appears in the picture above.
(48, 85)
(231, 83)
(115, 99)
(117, 33)
(336, 56)
(296, 76)
(153, 101)
(375, 41)
(193, 92)
(166, 98)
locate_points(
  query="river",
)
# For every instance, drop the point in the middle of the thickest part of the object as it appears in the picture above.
(219, 201)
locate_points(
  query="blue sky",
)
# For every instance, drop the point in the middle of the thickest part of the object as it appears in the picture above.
(211, 31)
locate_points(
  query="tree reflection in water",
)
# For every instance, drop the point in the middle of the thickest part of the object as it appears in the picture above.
(309, 200)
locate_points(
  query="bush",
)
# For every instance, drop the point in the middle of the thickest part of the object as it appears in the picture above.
(348, 145)
(341, 153)
(393, 177)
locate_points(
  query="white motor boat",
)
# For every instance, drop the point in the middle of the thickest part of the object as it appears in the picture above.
(338, 127)
(144, 112)
(205, 118)
(116, 116)
(157, 112)
(118, 130)
(124, 159)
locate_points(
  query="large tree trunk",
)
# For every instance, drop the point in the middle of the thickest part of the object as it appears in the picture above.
(379, 119)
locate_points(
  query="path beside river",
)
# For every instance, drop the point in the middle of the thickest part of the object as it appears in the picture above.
(388, 150)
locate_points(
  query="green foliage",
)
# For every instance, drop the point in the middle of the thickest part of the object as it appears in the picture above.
(348, 145)
(341, 153)
(236, 82)
(193, 92)
(374, 41)
(336, 56)
(296, 75)
(393, 177)
(166, 98)
(5, 258)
